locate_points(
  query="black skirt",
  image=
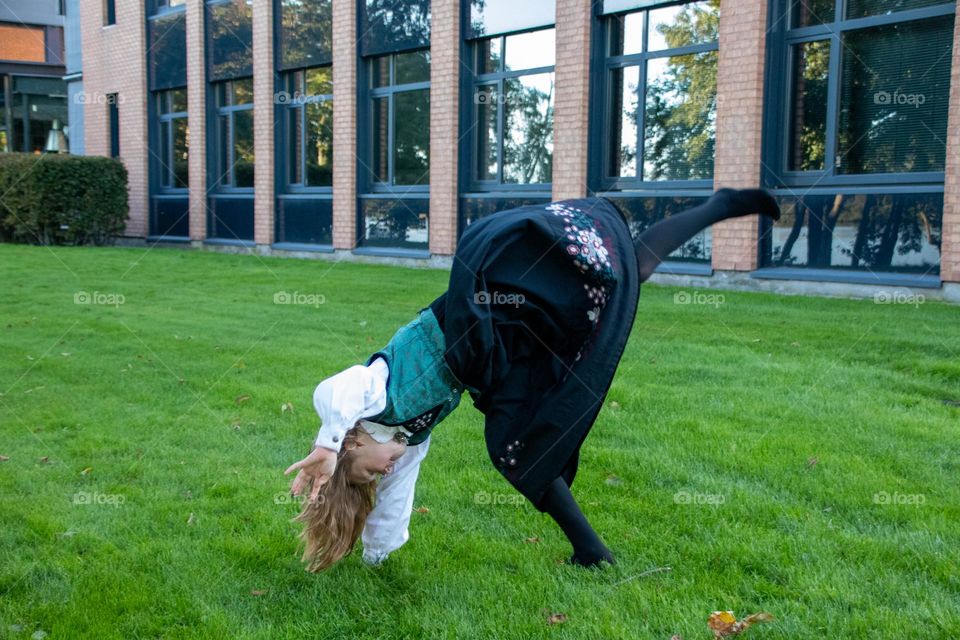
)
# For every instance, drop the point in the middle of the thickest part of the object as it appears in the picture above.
(540, 304)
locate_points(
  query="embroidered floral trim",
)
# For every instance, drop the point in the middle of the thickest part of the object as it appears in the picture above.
(585, 246)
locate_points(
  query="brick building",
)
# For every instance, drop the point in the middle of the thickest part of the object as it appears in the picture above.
(33, 94)
(380, 129)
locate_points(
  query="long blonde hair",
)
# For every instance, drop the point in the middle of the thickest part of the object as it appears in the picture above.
(333, 522)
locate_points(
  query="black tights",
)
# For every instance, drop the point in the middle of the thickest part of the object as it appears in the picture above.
(669, 234)
(588, 549)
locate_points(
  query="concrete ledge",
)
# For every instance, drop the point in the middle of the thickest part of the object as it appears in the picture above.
(745, 281)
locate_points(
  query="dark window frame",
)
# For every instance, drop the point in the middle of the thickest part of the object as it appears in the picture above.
(604, 68)
(109, 13)
(214, 150)
(473, 83)
(284, 138)
(368, 184)
(778, 93)
(113, 124)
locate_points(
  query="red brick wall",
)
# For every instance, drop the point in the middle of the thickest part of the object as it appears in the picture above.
(264, 120)
(114, 62)
(572, 106)
(444, 121)
(344, 124)
(739, 124)
(950, 245)
(196, 119)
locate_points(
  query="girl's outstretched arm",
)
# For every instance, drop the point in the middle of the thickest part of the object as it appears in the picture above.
(387, 527)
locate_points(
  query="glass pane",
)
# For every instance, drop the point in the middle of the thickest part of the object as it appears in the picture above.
(808, 106)
(393, 25)
(230, 38)
(305, 220)
(241, 91)
(489, 53)
(626, 34)
(487, 109)
(805, 13)
(319, 150)
(178, 100)
(411, 125)
(396, 222)
(411, 67)
(862, 8)
(680, 117)
(380, 71)
(683, 25)
(379, 158)
(223, 152)
(528, 129)
(181, 154)
(320, 81)
(243, 148)
(295, 116)
(163, 102)
(490, 17)
(624, 117)
(643, 212)
(879, 232)
(165, 158)
(167, 52)
(306, 33)
(530, 50)
(893, 104)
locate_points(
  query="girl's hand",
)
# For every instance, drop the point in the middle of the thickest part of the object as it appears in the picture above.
(318, 467)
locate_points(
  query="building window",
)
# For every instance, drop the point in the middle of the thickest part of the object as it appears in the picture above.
(661, 95)
(513, 92)
(860, 126)
(308, 102)
(173, 140)
(109, 12)
(399, 119)
(113, 111)
(234, 133)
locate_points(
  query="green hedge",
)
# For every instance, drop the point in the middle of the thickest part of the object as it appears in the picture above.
(61, 199)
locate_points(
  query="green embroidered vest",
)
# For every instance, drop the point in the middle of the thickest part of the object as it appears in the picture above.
(421, 389)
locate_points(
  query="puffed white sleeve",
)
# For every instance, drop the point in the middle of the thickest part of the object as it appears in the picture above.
(343, 399)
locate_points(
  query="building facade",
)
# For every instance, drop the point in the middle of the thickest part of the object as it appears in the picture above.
(33, 94)
(384, 128)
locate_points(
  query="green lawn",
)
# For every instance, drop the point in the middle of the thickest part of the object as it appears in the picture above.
(798, 456)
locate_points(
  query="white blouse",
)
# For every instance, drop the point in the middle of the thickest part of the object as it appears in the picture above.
(342, 401)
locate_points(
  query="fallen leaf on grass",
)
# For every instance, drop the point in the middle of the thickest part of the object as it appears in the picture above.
(45, 459)
(422, 510)
(241, 399)
(286, 406)
(532, 540)
(191, 519)
(64, 354)
(812, 462)
(4, 458)
(556, 618)
(86, 471)
(724, 624)
(257, 592)
(614, 480)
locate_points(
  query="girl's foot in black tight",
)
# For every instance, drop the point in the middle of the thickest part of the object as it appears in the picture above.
(592, 557)
(588, 549)
(747, 201)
